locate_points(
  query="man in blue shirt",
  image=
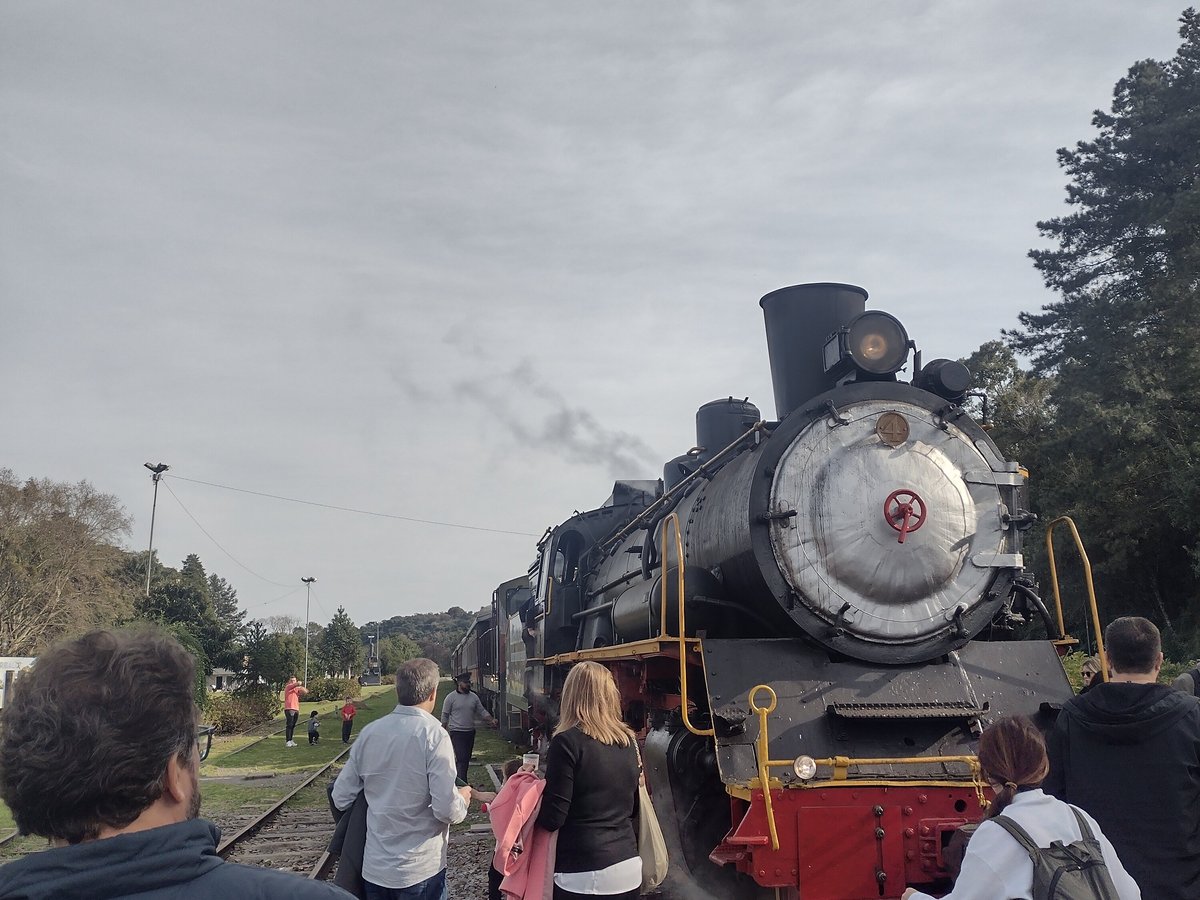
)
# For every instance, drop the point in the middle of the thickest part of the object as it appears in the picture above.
(404, 765)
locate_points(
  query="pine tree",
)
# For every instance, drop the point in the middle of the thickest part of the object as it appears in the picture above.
(1123, 340)
(341, 645)
(230, 620)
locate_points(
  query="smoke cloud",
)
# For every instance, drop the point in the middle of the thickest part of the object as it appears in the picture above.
(557, 427)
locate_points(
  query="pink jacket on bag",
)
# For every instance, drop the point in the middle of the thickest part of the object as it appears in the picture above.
(524, 853)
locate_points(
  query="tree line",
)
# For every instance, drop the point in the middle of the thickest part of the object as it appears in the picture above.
(1098, 392)
(63, 571)
(433, 635)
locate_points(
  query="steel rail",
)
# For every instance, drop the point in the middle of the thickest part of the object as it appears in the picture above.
(323, 867)
(8, 837)
(227, 844)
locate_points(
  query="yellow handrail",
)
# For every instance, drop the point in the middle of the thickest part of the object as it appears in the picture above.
(1087, 578)
(673, 520)
(763, 756)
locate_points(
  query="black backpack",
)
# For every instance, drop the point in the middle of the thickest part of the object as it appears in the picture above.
(1074, 871)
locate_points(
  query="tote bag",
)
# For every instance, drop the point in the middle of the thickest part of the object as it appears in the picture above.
(651, 846)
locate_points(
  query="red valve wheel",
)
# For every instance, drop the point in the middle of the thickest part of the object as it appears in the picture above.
(904, 511)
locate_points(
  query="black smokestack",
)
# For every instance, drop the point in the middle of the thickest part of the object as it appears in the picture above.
(799, 320)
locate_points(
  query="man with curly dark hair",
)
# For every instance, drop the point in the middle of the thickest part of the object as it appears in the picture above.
(99, 752)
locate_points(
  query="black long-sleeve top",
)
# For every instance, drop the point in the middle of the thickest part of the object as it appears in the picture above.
(590, 800)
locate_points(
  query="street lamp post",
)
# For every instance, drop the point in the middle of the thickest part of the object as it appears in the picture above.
(308, 583)
(156, 473)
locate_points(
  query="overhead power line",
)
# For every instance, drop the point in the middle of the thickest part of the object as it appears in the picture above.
(273, 600)
(317, 600)
(218, 543)
(351, 509)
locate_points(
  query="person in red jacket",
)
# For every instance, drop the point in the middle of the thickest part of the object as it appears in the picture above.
(291, 706)
(348, 712)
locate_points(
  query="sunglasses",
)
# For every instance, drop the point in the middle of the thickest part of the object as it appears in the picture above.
(204, 734)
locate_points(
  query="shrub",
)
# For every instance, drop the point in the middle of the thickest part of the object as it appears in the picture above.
(242, 709)
(388, 679)
(332, 689)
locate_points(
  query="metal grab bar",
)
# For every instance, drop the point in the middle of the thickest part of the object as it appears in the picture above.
(1087, 578)
(673, 520)
(763, 760)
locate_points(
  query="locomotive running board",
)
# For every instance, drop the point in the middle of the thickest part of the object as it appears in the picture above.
(829, 708)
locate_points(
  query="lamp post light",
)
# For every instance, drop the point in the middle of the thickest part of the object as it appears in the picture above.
(156, 474)
(308, 583)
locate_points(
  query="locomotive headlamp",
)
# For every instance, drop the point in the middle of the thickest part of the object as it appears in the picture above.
(874, 343)
(805, 767)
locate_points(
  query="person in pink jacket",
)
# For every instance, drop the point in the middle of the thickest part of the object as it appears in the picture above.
(524, 853)
(292, 692)
(507, 771)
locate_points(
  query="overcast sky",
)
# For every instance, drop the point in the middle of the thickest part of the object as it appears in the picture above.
(470, 262)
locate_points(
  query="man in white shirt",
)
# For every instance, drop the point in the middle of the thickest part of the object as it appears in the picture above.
(405, 765)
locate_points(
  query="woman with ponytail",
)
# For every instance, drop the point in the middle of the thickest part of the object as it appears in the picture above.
(1012, 754)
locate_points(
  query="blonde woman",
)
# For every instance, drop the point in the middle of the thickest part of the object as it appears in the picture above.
(1088, 674)
(591, 791)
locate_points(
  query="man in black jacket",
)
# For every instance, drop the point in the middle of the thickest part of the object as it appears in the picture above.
(1128, 752)
(100, 753)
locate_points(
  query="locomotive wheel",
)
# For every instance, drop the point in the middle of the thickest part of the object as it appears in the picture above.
(693, 808)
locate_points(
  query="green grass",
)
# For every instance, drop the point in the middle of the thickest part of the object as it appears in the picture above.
(273, 755)
(220, 798)
(20, 845)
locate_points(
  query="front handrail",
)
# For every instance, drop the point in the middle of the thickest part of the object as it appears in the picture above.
(672, 519)
(764, 761)
(1087, 578)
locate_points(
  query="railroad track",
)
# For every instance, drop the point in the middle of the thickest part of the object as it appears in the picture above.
(279, 838)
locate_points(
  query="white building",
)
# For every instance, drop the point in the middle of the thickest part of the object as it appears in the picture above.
(224, 680)
(10, 668)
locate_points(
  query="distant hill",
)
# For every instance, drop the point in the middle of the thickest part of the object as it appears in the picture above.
(436, 633)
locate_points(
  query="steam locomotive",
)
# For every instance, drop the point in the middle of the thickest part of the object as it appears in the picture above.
(810, 620)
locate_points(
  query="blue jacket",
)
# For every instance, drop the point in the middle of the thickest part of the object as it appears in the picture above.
(175, 862)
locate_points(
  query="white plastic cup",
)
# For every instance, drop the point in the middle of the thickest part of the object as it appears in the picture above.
(531, 760)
